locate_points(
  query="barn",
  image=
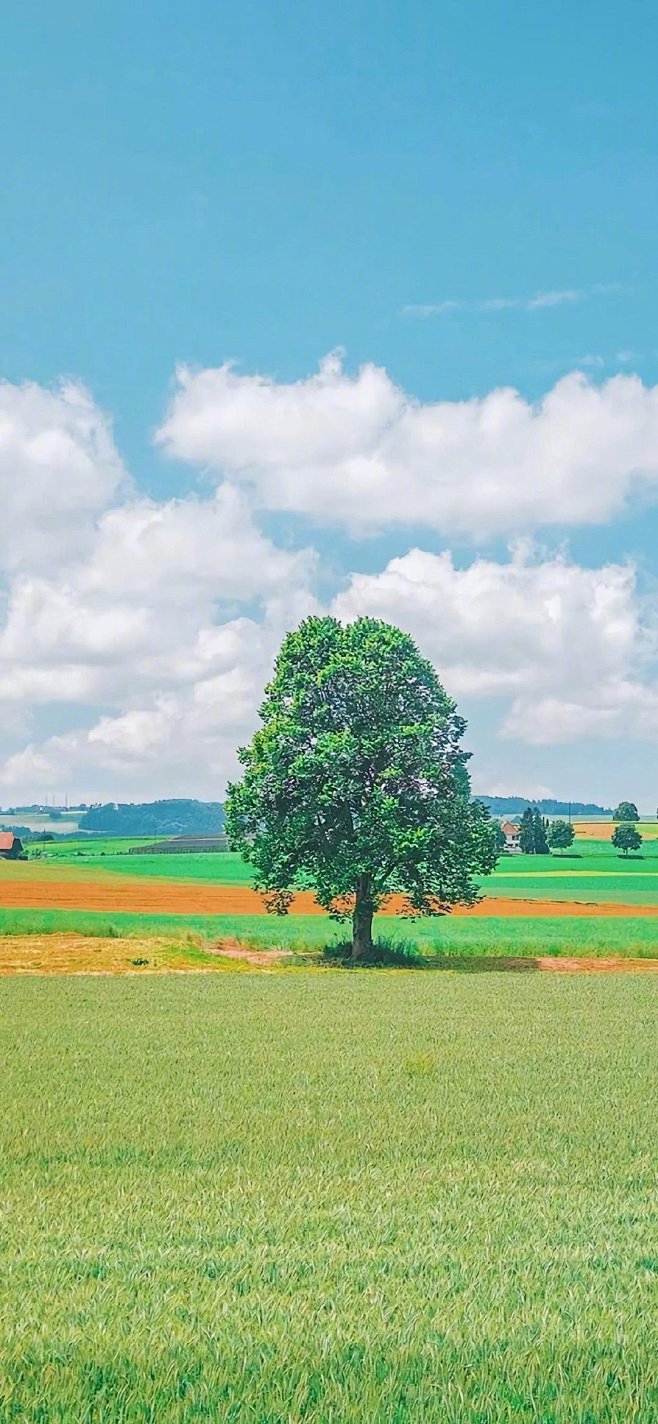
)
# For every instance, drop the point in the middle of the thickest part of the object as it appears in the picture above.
(11, 846)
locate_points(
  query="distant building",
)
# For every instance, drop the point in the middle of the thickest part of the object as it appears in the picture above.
(512, 836)
(11, 846)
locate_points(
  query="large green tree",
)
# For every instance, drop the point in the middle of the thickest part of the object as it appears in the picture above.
(356, 783)
(626, 837)
(560, 835)
(626, 811)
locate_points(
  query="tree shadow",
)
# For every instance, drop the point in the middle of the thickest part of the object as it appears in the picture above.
(483, 963)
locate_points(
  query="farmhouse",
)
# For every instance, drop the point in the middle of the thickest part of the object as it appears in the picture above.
(512, 836)
(11, 847)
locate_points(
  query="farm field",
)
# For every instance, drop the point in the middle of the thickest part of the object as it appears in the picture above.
(588, 902)
(268, 1202)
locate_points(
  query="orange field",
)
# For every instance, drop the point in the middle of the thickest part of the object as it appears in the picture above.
(602, 830)
(152, 897)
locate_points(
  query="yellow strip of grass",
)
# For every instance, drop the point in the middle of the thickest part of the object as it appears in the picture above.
(81, 954)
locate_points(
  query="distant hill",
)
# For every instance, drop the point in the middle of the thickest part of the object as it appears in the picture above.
(512, 805)
(155, 818)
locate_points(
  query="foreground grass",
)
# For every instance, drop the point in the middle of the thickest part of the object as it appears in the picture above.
(357, 1197)
(593, 935)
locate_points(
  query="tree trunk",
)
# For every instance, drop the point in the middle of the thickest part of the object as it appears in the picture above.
(362, 919)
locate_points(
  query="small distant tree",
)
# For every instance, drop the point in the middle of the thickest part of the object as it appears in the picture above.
(356, 784)
(527, 832)
(499, 837)
(540, 832)
(626, 811)
(626, 837)
(560, 835)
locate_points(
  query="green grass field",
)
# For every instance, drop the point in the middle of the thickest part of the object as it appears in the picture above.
(364, 1197)
(493, 935)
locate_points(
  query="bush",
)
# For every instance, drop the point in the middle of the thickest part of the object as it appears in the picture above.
(385, 954)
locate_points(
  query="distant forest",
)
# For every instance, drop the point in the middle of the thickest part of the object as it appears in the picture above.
(511, 805)
(155, 818)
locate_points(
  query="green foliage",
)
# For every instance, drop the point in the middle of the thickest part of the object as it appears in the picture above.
(403, 1198)
(626, 837)
(626, 811)
(560, 835)
(499, 836)
(356, 783)
(157, 818)
(534, 829)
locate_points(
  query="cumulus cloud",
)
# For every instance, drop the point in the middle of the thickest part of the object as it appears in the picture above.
(153, 624)
(356, 450)
(568, 648)
(58, 468)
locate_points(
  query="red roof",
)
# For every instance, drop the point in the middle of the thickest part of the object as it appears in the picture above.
(509, 830)
(7, 839)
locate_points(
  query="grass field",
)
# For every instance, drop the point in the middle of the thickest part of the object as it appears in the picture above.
(491, 935)
(105, 904)
(375, 1198)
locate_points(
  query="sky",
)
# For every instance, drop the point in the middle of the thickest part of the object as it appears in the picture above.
(313, 309)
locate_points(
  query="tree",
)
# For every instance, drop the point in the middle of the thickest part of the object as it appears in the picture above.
(533, 833)
(626, 811)
(527, 832)
(499, 837)
(540, 830)
(625, 838)
(560, 835)
(356, 784)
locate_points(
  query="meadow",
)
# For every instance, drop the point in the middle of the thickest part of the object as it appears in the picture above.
(502, 936)
(369, 1197)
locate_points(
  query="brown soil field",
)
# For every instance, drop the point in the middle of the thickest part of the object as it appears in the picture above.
(141, 896)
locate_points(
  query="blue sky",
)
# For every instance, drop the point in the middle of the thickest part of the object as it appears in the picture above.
(461, 195)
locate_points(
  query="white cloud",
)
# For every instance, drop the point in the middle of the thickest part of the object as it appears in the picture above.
(355, 450)
(559, 297)
(567, 648)
(153, 625)
(58, 469)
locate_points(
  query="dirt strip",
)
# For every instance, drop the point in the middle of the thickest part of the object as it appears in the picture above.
(116, 895)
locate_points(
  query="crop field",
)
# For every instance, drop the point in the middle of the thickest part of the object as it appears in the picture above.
(372, 1197)
(588, 902)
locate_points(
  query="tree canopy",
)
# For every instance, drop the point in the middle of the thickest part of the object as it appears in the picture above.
(626, 811)
(356, 783)
(533, 830)
(560, 835)
(626, 837)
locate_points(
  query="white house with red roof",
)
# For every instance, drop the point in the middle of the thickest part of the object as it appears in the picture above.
(512, 836)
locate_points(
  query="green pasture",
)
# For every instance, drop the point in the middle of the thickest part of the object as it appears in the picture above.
(88, 847)
(362, 1196)
(486, 936)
